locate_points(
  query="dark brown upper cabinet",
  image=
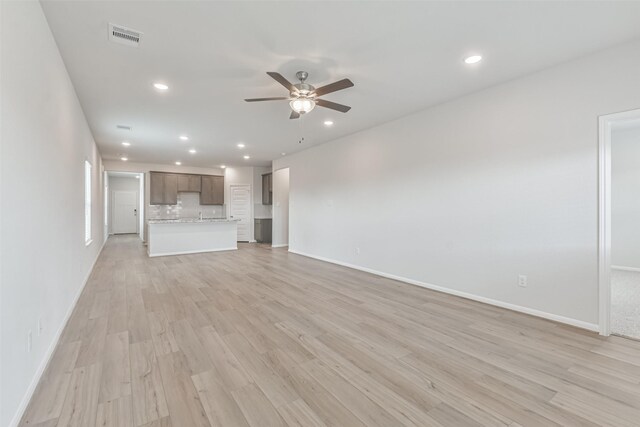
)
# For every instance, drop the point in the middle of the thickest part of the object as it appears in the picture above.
(267, 189)
(212, 190)
(190, 183)
(163, 188)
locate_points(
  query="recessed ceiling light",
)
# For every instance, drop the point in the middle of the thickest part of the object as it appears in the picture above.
(184, 137)
(178, 163)
(222, 166)
(126, 144)
(192, 151)
(137, 176)
(160, 86)
(124, 159)
(247, 157)
(241, 145)
(284, 154)
(473, 59)
(328, 123)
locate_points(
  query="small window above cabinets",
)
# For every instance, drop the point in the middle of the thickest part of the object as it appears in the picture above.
(267, 189)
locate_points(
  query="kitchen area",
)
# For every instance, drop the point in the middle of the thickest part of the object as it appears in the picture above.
(194, 213)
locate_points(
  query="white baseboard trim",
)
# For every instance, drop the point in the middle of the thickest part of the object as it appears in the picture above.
(526, 310)
(192, 252)
(54, 343)
(624, 268)
(282, 245)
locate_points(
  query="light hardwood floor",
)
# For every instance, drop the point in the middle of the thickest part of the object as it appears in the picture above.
(261, 337)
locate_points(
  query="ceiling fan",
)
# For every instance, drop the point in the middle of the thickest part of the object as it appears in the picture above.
(303, 97)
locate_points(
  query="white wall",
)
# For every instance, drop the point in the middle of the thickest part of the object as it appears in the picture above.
(45, 141)
(625, 198)
(280, 231)
(470, 194)
(121, 183)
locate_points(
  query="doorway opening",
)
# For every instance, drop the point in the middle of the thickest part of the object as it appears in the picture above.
(125, 199)
(619, 236)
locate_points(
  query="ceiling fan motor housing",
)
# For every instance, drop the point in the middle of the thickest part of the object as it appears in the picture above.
(302, 89)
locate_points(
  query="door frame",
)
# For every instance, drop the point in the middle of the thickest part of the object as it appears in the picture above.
(250, 188)
(605, 123)
(113, 210)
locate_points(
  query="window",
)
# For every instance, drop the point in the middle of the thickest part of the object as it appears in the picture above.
(87, 202)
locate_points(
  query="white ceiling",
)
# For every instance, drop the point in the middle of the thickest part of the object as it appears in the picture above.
(402, 57)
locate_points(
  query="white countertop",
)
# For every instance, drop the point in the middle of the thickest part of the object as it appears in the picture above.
(189, 220)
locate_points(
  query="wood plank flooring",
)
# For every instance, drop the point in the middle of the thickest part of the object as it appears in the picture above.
(260, 337)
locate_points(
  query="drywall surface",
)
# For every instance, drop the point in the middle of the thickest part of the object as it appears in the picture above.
(470, 194)
(45, 142)
(625, 198)
(280, 232)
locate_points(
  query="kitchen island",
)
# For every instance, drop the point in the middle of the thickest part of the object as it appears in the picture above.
(191, 235)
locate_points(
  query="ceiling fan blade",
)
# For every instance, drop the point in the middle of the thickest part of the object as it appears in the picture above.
(280, 79)
(294, 115)
(332, 105)
(333, 87)
(279, 98)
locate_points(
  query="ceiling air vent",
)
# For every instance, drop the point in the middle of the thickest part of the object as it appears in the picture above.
(124, 35)
(124, 127)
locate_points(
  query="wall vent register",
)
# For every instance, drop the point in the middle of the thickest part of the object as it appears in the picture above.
(123, 35)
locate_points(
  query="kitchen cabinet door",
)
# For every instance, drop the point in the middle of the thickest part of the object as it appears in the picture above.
(183, 182)
(267, 186)
(195, 183)
(170, 191)
(212, 192)
(156, 184)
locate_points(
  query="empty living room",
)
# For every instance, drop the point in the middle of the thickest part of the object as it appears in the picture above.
(319, 213)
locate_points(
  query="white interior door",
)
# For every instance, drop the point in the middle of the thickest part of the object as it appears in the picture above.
(240, 209)
(125, 212)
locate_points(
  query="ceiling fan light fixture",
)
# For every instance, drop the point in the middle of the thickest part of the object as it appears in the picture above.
(302, 105)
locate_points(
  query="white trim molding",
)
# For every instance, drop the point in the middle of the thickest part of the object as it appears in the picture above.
(624, 268)
(604, 215)
(54, 343)
(282, 245)
(513, 307)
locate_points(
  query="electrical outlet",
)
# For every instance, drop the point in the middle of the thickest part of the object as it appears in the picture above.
(522, 281)
(29, 341)
(358, 251)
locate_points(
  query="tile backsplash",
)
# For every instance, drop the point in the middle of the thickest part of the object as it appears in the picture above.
(262, 211)
(188, 207)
